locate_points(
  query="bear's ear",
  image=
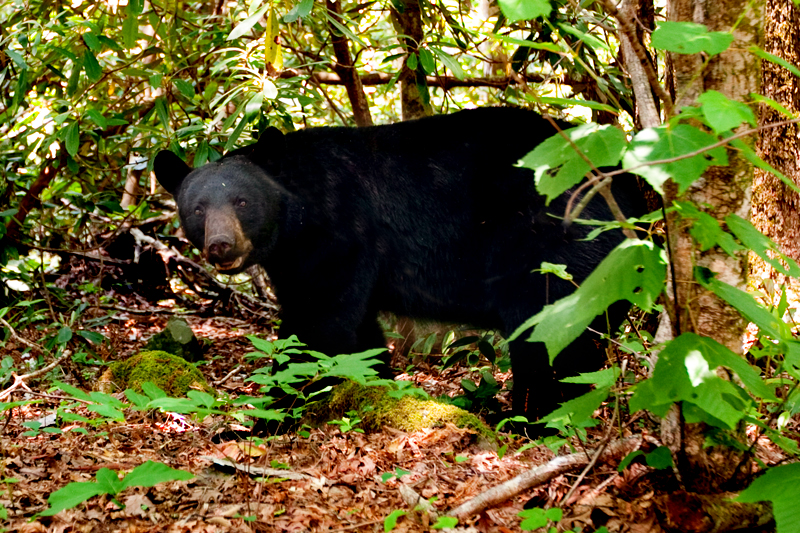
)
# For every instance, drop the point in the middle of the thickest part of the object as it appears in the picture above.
(268, 150)
(170, 170)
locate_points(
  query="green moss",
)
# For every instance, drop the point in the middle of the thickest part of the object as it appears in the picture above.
(377, 409)
(172, 374)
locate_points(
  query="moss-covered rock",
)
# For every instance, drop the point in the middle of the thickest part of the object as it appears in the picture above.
(178, 339)
(171, 373)
(377, 409)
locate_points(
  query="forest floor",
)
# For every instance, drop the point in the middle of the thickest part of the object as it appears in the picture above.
(334, 480)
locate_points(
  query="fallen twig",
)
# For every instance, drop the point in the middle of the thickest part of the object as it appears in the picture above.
(560, 465)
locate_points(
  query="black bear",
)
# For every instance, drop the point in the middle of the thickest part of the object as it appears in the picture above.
(428, 218)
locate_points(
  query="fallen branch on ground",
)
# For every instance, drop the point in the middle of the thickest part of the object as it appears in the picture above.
(531, 478)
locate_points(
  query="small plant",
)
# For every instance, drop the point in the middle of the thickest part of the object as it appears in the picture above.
(348, 423)
(108, 482)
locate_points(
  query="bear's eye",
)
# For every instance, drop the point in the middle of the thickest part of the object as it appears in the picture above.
(198, 210)
(241, 202)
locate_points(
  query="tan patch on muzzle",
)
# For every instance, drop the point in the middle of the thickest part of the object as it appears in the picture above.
(226, 246)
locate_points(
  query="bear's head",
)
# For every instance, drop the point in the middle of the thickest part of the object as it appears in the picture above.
(230, 209)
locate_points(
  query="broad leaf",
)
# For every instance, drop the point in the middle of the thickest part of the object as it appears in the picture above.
(745, 304)
(301, 10)
(244, 26)
(515, 10)
(685, 372)
(152, 473)
(781, 486)
(690, 38)
(762, 246)
(556, 164)
(666, 143)
(633, 271)
(724, 114)
(70, 496)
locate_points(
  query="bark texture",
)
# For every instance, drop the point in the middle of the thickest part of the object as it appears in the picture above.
(413, 83)
(776, 208)
(346, 69)
(721, 191)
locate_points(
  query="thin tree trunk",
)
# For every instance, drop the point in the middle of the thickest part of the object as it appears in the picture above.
(414, 96)
(346, 69)
(721, 191)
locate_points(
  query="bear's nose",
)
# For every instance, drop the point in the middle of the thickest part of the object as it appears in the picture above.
(219, 247)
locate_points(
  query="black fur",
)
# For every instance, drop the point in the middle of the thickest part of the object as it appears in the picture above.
(427, 218)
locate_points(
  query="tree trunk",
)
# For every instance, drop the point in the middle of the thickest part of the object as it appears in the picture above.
(776, 208)
(346, 69)
(414, 97)
(721, 191)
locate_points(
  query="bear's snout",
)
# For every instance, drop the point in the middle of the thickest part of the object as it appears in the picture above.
(226, 246)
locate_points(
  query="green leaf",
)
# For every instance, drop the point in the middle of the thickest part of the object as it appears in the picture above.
(724, 114)
(130, 31)
(568, 102)
(706, 229)
(95, 116)
(751, 156)
(107, 411)
(139, 400)
(201, 155)
(301, 10)
(578, 410)
(558, 167)
(550, 47)
(450, 62)
(92, 41)
(341, 28)
(356, 367)
(91, 336)
(762, 245)
(515, 10)
(64, 335)
(774, 59)
(592, 41)
(249, 22)
(185, 88)
(108, 482)
(629, 459)
(690, 38)
(72, 138)
(253, 107)
(745, 304)
(175, 405)
(151, 473)
(685, 372)
(265, 414)
(201, 398)
(153, 391)
(758, 98)
(134, 7)
(551, 268)
(236, 134)
(781, 486)
(427, 61)
(660, 458)
(390, 522)
(161, 111)
(532, 519)
(72, 391)
(91, 66)
(70, 496)
(634, 271)
(554, 514)
(445, 522)
(664, 142)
